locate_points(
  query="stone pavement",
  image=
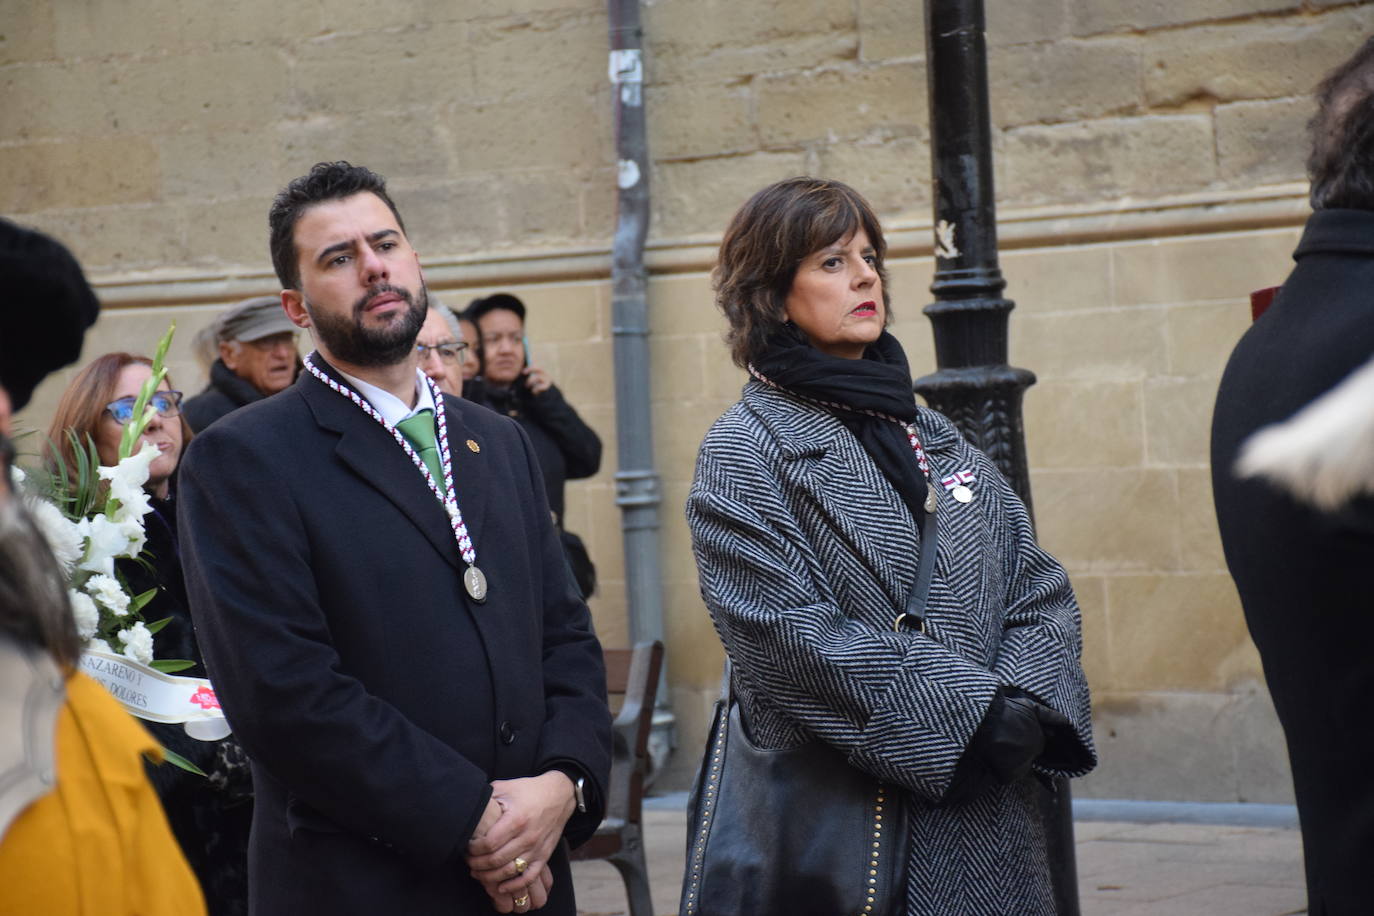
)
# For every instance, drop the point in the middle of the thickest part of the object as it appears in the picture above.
(1148, 860)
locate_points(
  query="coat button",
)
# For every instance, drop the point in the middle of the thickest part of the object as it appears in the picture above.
(507, 733)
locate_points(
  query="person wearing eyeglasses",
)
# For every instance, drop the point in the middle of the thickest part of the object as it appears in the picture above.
(257, 358)
(443, 351)
(210, 817)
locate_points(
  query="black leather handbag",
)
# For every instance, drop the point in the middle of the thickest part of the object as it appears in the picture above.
(799, 830)
(790, 831)
(796, 830)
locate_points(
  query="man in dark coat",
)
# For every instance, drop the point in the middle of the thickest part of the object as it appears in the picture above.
(257, 358)
(1304, 575)
(383, 606)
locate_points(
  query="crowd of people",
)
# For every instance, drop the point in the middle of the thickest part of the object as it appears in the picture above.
(364, 547)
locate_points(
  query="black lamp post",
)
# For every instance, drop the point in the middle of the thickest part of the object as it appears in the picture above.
(973, 385)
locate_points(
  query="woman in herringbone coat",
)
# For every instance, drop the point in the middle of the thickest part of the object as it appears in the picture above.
(805, 519)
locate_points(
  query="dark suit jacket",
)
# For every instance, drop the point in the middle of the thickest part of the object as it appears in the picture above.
(1306, 578)
(375, 699)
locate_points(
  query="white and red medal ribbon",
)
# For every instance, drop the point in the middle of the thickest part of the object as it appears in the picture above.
(473, 579)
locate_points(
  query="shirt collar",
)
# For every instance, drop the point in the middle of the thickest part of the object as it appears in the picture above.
(392, 408)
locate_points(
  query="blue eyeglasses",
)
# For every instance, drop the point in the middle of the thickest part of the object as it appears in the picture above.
(166, 403)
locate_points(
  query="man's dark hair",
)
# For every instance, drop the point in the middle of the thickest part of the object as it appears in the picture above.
(326, 181)
(768, 239)
(479, 307)
(1341, 165)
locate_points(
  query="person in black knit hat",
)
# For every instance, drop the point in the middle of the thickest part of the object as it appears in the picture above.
(513, 384)
(47, 308)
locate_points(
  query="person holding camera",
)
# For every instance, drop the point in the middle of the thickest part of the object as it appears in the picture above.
(567, 448)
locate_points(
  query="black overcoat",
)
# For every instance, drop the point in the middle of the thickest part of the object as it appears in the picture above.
(376, 700)
(1306, 578)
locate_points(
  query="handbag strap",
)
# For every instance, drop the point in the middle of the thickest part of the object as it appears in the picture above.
(914, 616)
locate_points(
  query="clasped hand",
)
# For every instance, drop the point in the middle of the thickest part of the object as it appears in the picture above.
(524, 820)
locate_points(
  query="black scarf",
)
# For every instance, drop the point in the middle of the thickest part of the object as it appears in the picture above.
(881, 381)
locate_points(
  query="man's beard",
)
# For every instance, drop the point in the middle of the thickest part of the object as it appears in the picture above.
(347, 339)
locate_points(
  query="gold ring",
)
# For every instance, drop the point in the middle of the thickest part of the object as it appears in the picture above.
(522, 900)
(520, 866)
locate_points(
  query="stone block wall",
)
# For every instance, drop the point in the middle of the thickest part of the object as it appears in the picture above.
(1149, 170)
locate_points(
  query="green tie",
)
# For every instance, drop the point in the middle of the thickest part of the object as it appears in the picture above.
(419, 430)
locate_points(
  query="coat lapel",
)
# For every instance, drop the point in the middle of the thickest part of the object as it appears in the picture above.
(371, 453)
(825, 463)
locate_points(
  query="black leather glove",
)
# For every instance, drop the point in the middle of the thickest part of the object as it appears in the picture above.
(1010, 738)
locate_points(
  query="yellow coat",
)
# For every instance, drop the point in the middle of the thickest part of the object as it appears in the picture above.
(99, 843)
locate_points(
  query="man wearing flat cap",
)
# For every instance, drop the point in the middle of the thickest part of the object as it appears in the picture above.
(257, 358)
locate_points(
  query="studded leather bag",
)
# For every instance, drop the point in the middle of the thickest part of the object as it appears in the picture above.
(789, 831)
(797, 830)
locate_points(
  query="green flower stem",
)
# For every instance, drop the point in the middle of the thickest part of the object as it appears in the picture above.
(143, 414)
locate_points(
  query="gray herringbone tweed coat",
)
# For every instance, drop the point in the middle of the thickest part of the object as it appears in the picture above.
(806, 554)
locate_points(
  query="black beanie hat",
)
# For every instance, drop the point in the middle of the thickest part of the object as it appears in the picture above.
(479, 307)
(45, 310)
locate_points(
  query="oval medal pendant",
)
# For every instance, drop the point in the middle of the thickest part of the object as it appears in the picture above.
(963, 494)
(930, 499)
(475, 581)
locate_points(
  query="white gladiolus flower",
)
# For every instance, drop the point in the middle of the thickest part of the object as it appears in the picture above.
(105, 541)
(86, 613)
(131, 474)
(62, 535)
(126, 483)
(134, 534)
(17, 475)
(132, 509)
(108, 592)
(138, 643)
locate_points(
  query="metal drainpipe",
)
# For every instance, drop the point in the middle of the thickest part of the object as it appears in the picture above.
(637, 490)
(973, 385)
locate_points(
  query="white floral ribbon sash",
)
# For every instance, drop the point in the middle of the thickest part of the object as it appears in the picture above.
(158, 697)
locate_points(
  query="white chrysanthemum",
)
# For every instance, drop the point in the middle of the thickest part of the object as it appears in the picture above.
(106, 540)
(100, 645)
(17, 475)
(138, 643)
(126, 482)
(86, 613)
(62, 535)
(108, 592)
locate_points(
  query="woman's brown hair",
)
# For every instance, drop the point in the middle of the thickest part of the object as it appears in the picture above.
(766, 241)
(84, 402)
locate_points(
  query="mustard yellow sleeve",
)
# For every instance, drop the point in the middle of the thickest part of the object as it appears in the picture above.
(99, 843)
